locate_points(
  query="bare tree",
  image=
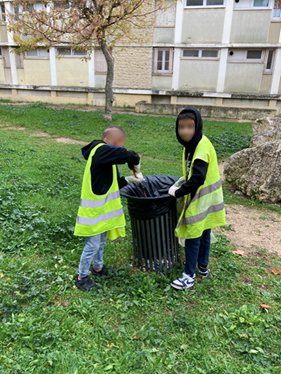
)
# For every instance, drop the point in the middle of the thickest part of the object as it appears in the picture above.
(84, 25)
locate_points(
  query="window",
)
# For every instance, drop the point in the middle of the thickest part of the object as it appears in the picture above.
(0, 52)
(28, 7)
(62, 4)
(100, 62)
(69, 52)
(277, 9)
(39, 53)
(2, 12)
(201, 53)
(269, 58)
(242, 55)
(247, 4)
(163, 60)
(261, 3)
(190, 53)
(254, 54)
(197, 3)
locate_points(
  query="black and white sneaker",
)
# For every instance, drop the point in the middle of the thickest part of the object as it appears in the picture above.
(183, 283)
(104, 271)
(85, 284)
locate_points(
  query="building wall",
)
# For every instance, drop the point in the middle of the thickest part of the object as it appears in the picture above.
(208, 30)
(250, 26)
(2, 73)
(133, 66)
(3, 34)
(274, 32)
(35, 72)
(162, 82)
(164, 35)
(72, 72)
(243, 77)
(198, 75)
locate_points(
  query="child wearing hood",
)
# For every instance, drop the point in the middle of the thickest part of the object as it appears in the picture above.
(203, 207)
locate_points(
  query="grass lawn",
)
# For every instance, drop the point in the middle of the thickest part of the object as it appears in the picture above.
(134, 322)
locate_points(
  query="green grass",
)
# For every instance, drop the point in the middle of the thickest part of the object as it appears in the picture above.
(134, 322)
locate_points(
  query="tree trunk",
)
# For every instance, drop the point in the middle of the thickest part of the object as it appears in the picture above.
(109, 97)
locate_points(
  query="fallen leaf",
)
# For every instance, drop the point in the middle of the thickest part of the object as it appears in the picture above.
(244, 335)
(136, 338)
(1, 275)
(238, 252)
(276, 271)
(109, 345)
(264, 306)
(65, 304)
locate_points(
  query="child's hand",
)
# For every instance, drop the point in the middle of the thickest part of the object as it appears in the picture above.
(172, 191)
(134, 179)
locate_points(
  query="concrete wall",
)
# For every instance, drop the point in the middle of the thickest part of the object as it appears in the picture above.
(198, 74)
(243, 77)
(250, 26)
(162, 82)
(265, 83)
(164, 35)
(274, 32)
(206, 110)
(2, 73)
(133, 67)
(202, 25)
(3, 34)
(35, 72)
(72, 72)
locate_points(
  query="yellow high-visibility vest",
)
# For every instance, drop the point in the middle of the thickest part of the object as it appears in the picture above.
(100, 213)
(206, 209)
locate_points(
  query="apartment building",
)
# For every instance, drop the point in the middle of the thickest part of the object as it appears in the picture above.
(223, 53)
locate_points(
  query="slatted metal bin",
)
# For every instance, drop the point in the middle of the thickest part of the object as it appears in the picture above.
(153, 222)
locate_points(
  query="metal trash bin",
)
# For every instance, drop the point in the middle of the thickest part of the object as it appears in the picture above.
(153, 221)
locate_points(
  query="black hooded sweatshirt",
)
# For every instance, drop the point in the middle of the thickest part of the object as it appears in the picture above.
(101, 166)
(200, 167)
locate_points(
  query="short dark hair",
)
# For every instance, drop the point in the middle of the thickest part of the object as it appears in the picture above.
(187, 115)
(110, 128)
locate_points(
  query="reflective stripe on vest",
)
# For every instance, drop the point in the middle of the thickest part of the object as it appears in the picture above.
(103, 217)
(206, 209)
(99, 203)
(100, 213)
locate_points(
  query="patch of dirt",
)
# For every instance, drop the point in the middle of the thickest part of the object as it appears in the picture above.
(14, 128)
(69, 141)
(221, 167)
(251, 229)
(41, 135)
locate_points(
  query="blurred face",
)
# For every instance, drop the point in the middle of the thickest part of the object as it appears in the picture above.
(186, 129)
(116, 139)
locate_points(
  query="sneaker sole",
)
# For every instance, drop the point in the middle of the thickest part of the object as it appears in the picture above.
(180, 288)
(83, 289)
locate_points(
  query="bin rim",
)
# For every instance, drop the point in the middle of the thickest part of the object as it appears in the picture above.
(145, 198)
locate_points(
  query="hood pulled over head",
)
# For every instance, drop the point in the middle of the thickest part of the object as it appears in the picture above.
(192, 144)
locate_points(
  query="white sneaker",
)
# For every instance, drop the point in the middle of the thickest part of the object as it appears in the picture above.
(183, 283)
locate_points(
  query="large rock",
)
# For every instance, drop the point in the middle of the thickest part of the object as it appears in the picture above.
(257, 171)
(265, 123)
(266, 130)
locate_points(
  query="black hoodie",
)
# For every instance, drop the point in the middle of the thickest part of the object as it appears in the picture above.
(200, 167)
(101, 166)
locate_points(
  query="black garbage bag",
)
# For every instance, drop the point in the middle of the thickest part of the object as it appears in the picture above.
(157, 201)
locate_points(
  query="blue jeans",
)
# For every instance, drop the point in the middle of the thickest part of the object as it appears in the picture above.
(197, 251)
(93, 251)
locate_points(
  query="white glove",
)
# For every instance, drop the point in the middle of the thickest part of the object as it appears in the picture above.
(137, 168)
(172, 191)
(133, 179)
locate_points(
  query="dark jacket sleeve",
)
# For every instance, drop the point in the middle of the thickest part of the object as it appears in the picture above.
(116, 156)
(196, 180)
(122, 182)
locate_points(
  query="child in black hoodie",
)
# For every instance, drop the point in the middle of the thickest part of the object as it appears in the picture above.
(100, 214)
(203, 207)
